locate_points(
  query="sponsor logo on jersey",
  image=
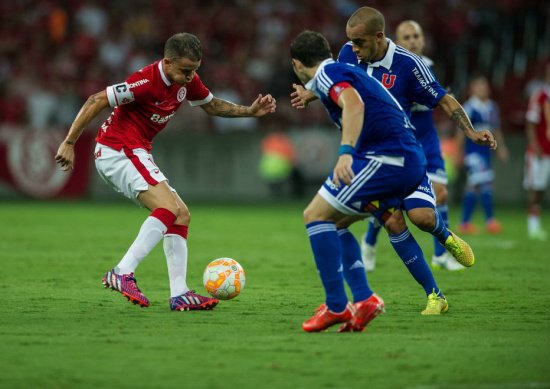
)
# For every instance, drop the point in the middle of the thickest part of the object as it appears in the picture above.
(156, 118)
(388, 83)
(424, 83)
(138, 83)
(181, 93)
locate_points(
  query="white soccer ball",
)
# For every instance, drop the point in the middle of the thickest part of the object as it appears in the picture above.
(224, 278)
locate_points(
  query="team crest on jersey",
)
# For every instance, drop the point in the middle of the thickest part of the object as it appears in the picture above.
(388, 84)
(181, 93)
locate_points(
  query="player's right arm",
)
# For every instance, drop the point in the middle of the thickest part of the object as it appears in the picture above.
(301, 97)
(353, 114)
(90, 109)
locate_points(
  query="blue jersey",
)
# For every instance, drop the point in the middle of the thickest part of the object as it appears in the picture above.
(386, 131)
(403, 73)
(484, 115)
(409, 79)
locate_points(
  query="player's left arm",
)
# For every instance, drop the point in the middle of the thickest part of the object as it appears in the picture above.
(261, 106)
(456, 113)
(353, 113)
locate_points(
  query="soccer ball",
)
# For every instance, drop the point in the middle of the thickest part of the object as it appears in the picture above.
(224, 278)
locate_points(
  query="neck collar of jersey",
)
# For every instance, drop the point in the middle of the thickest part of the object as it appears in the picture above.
(163, 75)
(310, 86)
(387, 60)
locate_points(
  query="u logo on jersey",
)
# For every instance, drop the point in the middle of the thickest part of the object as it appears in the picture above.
(385, 82)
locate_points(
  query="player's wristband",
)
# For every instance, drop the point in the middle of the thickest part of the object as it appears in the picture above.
(69, 142)
(346, 149)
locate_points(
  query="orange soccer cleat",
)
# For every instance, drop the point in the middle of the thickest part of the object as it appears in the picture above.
(365, 312)
(324, 318)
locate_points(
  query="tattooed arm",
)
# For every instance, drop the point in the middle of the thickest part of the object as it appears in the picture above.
(456, 113)
(90, 109)
(226, 109)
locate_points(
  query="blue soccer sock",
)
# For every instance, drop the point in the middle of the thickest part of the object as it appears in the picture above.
(411, 254)
(327, 251)
(354, 270)
(468, 205)
(440, 231)
(372, 234)
(487, 203)
(444, 212)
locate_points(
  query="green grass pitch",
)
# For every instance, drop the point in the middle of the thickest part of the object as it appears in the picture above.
(60, 329)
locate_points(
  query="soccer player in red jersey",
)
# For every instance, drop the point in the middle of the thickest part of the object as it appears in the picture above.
(537, 157)
(143, 105)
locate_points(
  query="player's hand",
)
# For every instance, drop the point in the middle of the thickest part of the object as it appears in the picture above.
(65, 156)
(342, 171)
(263, 105)
(483, 138)
(301, 97)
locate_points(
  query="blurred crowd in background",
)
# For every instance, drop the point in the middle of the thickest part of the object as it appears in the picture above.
(55, 54)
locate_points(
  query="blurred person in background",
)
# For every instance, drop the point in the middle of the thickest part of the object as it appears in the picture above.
(485, 115)
(143, 104)
(537, 156)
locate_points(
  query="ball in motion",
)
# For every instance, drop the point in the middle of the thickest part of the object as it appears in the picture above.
(224, 278)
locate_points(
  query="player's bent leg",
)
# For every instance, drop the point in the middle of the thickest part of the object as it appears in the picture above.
(160, 196)
(320, 218)
(423, 218)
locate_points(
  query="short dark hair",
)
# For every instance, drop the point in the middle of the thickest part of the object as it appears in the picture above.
(183, 45)
(310, 48)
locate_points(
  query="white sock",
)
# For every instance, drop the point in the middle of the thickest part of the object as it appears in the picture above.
(175, 249)
(533, 223)
(150, 234)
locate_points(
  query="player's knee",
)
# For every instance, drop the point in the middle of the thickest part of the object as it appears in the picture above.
(441, 195)
(312, 215)
(395, 224)
(423, 218)
(184, 217)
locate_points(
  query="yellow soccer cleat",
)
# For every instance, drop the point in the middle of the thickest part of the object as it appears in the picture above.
(436, 304)
(460, 250)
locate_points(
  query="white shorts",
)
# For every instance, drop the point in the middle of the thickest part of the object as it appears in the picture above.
(536, 172)
(129, 172)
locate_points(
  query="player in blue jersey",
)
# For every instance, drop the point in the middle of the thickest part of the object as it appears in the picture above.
(483, 113)
(410, 36)
(409, 80)
(380, 165)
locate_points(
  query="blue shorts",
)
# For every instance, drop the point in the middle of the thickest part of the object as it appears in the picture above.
(376, 190)
(479, 169)
(422, 197)
(436, 168)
